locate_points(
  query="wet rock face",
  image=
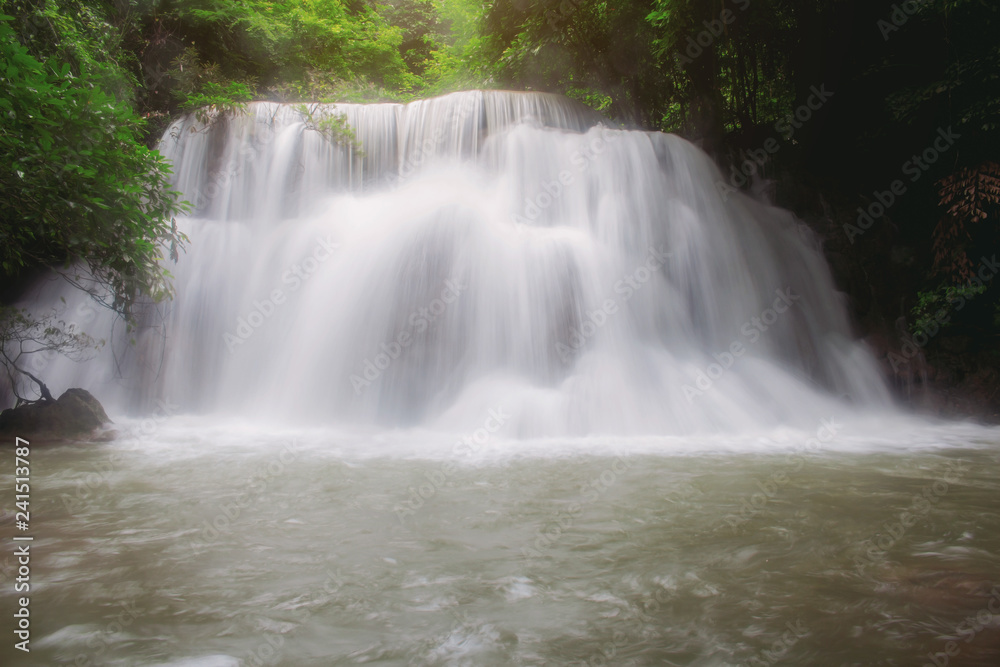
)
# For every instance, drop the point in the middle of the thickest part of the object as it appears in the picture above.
(75, 414)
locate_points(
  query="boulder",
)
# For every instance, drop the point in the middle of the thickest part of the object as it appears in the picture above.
(76, 414)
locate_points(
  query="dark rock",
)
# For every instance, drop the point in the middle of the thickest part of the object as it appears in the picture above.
(75, 414)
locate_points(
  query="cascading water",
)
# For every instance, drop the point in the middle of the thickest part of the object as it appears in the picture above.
(485, 249)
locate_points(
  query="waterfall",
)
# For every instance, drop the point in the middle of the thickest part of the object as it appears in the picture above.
(478, 253)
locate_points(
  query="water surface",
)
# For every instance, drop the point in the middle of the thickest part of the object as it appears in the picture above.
(197, 542)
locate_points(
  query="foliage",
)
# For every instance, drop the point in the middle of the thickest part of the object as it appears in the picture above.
(203, 91)
(77, 182)
(274, 48)
(577, 47)
(422, 29)
(77, 33)
(458, 61)
(940, 308)
(964, 78)
(215, 100)
(970, 196)
(331, 125)
(318, 86)
(660, 75)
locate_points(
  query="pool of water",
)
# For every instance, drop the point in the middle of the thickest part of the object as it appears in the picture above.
(202, 543)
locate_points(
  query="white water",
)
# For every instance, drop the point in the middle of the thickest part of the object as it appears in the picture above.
(490, 250)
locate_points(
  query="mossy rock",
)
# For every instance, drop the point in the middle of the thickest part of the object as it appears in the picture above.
(75, 414)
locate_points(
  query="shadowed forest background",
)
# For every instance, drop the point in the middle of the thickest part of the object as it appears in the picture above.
(875, 122)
